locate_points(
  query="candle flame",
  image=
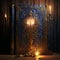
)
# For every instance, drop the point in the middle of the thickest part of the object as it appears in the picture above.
(50, 8)
(5, 15)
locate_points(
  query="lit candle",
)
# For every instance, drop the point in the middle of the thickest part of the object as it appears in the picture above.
(5, 19)
(5, 15)
(50, 9)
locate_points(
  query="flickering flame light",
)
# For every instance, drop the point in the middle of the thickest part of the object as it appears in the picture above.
(37, 53)
(5, 15)
(30, 21)
(50, 8)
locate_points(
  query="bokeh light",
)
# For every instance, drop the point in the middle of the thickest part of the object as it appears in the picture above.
(30, 21)
(5, 15)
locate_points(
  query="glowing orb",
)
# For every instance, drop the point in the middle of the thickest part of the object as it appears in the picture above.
(36, 53)
(30, 21)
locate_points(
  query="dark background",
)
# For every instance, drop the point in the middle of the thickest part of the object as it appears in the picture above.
(6, 34)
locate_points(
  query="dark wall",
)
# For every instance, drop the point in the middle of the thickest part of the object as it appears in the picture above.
(5, 33)
(54, 29)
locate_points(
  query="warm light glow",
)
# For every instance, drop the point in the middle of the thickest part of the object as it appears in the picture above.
(50, 8)
(30, 21)
(5, 15)
(37, 53)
